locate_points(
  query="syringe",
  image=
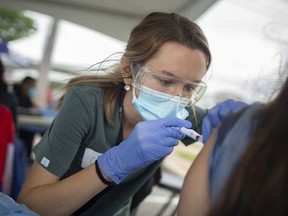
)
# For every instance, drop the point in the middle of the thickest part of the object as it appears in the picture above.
(191, 133)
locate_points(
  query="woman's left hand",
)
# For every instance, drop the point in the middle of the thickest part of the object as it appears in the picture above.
(217, 114)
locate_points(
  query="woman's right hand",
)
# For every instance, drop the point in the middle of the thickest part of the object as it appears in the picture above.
(148, 142)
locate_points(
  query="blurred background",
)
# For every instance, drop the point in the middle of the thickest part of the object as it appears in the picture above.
(248, 40)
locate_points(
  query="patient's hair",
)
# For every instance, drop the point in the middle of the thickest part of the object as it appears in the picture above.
(258, 186)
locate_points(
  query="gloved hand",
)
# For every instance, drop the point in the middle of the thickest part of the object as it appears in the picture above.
(217, 114)
(148, 142)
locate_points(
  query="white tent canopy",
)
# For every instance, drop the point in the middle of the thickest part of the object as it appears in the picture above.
(112, 17)
(245, 36)
(115, 18)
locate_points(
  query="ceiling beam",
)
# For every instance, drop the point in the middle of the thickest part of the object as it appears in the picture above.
(115, 23)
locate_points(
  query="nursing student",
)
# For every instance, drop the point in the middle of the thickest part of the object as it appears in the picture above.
(113, 131)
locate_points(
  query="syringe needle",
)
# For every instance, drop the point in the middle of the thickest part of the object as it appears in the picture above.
(191, 133)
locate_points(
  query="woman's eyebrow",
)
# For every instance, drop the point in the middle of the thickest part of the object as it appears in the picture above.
(167, 73)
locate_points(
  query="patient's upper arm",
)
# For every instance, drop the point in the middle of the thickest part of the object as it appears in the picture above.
(194, 197)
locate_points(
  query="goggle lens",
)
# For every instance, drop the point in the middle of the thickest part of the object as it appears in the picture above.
(170, 87)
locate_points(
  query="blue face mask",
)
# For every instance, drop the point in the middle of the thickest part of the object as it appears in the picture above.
(32, 92)
(153, 106)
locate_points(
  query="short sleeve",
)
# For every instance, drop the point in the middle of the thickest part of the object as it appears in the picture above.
(59, 145)
(230, 143)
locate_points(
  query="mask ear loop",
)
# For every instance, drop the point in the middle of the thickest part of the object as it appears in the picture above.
(198, 95)
(137, 71)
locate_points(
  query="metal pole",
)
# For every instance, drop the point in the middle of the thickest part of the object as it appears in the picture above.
(45, 66)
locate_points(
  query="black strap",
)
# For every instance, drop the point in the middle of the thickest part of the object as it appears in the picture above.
(100, 175)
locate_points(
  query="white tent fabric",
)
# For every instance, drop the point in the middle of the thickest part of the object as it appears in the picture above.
(246, 37)
(112, 17)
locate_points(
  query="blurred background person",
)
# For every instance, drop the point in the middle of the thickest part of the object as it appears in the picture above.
(25, 92)
(7, 98)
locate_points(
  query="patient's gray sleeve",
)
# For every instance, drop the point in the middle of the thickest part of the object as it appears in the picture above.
(230, 143)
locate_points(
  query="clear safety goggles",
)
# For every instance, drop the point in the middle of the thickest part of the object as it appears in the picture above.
(172, 88)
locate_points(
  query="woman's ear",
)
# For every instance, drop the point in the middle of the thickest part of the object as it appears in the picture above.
(126, 71)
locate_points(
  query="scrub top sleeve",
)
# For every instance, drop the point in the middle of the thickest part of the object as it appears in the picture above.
(58, 147)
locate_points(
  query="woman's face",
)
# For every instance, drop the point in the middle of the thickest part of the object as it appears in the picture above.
(174, 69)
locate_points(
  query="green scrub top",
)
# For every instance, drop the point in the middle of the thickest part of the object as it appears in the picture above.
(79, 134)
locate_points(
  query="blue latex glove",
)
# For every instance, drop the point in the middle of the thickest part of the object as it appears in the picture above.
(217, 114)
(148, 142)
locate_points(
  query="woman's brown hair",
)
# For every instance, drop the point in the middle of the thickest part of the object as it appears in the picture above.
(258, 185)
(145, 39)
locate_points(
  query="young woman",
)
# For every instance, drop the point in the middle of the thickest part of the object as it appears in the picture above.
(242, 169)
(98, 152)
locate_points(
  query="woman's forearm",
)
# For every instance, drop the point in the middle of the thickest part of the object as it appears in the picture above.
(59, 197)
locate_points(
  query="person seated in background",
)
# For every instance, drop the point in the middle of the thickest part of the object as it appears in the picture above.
(242, 169)
(9, 140)
(25, 91)
(7, 98)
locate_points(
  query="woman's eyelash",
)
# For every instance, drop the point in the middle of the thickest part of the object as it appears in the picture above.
(165, 81)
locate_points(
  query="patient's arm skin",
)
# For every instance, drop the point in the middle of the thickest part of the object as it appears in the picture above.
(194, 197)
